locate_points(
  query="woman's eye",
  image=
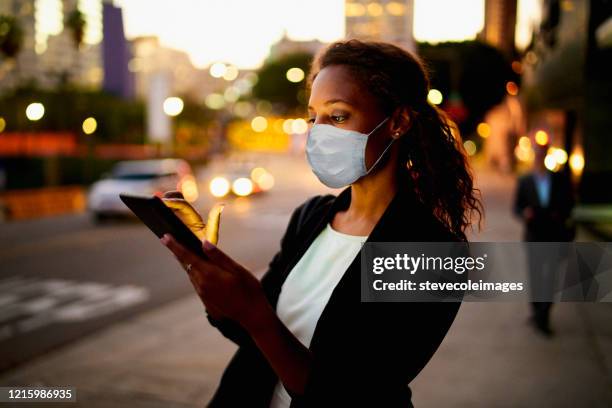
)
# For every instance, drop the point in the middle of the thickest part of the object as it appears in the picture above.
(338, 118)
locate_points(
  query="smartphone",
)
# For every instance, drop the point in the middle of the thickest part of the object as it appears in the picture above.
(160, 219)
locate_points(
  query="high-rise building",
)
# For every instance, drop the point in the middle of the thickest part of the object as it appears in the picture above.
(500, 25)
(286, 46)
(116, 54)
(49, 53)
(382, 20)
(25, 65)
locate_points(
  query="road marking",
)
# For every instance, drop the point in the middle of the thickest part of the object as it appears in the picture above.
(32, 303)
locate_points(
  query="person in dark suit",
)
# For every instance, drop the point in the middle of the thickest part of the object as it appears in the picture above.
(305, 338)
(544, 202)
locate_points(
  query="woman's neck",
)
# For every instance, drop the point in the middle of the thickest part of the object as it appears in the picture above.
(370, 198)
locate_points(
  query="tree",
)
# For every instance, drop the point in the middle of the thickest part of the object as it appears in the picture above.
(274, 86)
(76, 23)
(470, 73)
(11, 36)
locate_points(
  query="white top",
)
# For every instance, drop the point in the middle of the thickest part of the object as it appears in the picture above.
(309, 286)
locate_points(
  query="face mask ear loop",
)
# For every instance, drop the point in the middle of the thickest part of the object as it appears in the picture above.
(386, 148)
(380, 157)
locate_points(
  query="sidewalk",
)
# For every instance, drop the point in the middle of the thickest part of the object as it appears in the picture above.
(171, 357)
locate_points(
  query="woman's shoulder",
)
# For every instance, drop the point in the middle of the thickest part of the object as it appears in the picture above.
(310, 206)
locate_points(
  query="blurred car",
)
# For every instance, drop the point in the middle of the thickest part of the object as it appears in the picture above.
(240, 179)
(140, 177)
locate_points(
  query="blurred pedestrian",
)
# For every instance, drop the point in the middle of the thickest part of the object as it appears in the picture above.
(305, 339)
(544, 201)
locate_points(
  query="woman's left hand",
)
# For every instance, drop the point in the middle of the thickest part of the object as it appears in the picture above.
(225, 287)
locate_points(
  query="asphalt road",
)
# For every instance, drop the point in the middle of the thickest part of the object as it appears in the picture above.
(65, 277)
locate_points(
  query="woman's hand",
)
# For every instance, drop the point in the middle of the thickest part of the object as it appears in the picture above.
(226, 288)
(192, 219)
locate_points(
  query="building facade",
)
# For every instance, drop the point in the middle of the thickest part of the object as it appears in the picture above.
(383, 20)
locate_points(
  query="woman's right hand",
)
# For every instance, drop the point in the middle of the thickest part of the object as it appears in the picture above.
(193, 220)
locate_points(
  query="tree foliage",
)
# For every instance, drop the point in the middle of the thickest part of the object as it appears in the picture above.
(77, 24)
(11, 36)
(274, 86)
(474, 72)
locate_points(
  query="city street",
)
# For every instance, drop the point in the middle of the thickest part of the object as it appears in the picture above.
(169, 356)
(224, 102)
(64, 277)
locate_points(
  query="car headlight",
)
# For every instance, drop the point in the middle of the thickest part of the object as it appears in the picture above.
(189, 188)
(242, 187)
(219, 186)
(262, 178)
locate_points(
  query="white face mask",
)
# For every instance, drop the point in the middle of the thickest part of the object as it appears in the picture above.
(337, 156)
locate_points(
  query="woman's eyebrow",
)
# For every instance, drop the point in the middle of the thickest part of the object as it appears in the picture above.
(331, 101)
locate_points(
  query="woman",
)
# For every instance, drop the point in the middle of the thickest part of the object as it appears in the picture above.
(305, 339)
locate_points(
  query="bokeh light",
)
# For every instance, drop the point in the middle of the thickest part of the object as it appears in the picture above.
(434, 96)
(217, 70)
(299, 126)
(219, 186)
(231, 73)
(214, 101)
(484, 130)
(173, 106)
(259, 123)
(189, 188)
(243, 109)
(541, 138)
(560, 155)
(551, 163)
(89, 125)
(512, 88)
(470, 147)
(295, 74)
(242, 187)
(35, 111)
(576, 162)
(288, 126)
(524, 143)
(231, 94)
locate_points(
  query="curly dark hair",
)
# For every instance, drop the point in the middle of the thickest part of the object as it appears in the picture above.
(431, 150)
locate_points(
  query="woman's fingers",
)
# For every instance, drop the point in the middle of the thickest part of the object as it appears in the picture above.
(217, 256)
(173, 194)
(180, 252)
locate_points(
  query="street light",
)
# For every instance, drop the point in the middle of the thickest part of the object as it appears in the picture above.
(434, 96)
(231, 73)
(173, 106)
(259, 124)
(89, 125)
(295, 74)
(218, 69)
(35, 111)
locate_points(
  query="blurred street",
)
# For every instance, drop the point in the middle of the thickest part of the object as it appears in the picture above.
(63, 277)
(160, 351)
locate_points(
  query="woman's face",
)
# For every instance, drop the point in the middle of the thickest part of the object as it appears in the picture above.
(337, 99)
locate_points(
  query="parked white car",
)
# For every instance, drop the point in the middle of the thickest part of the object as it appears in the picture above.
(141, 177)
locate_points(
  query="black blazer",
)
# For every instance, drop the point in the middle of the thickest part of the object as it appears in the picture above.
(365, 354)
(551, 222)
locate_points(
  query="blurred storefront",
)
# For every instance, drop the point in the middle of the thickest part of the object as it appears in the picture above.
(566, 89)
